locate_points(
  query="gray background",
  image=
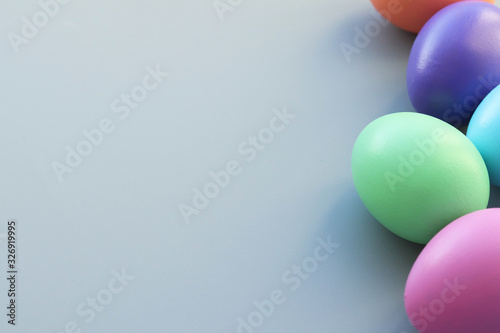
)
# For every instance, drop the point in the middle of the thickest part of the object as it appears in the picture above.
(119, 209)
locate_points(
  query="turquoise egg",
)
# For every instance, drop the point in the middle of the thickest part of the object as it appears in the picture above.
(484, 132)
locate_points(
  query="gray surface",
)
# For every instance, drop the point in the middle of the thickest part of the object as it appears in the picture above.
(120, 207)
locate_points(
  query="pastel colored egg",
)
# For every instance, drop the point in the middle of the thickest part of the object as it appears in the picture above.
(416, 174)
(411, 15)
(454, 62)
(484, 132)
(454, 285)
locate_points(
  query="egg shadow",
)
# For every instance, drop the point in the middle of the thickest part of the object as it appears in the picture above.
(373, 256)
(374, 37)
(401, 103)
(494, 197)
(390, 49)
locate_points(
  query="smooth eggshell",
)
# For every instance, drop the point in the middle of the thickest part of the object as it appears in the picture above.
(484, 132)
(411, 15)
(454, 286)
(455, 61)
(416, 174)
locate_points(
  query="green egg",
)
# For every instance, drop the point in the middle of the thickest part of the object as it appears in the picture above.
(416, 174)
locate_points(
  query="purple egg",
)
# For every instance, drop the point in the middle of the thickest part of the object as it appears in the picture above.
(455, 61)
(454, 286)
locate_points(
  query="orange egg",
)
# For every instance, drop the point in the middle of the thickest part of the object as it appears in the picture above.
(411, 15)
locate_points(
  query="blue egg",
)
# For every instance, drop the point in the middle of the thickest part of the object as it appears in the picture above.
(484, 132)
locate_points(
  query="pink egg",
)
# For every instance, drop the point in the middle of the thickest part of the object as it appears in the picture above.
(454, 286)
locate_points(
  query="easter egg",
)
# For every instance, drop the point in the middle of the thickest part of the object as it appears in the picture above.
(454, 62)
(411, 15)
(454, 285)
(416, 174)
(484, 130)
